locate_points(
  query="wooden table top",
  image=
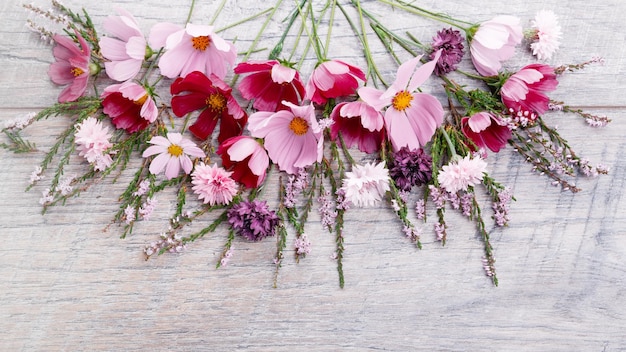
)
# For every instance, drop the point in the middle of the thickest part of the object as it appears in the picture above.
(71, 285)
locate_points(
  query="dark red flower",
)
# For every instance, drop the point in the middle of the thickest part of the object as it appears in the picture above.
(486, 130)
(246, 158)
(213, 97)
(129, 105)
(358, 123)
(523, 93)
(269, 83)
(333, 79)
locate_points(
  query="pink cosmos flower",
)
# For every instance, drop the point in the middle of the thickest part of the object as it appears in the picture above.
(125, 48)
(411, 118)
(460, 174)
(193, 48)
(213, 184)
(366, 185)
(494, 42)
(293, 138)
(486, 130)
(71, 67)
(173, 154)
(333, 79)
(92, 142)
(246, 158)
(523, 92)
(545, 34)
(269, 83)
(213, 97)
(129, 105)
(359, 124)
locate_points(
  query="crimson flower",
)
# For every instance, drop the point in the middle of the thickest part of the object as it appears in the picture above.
(523, 92)
(486, 130)
(71, 67)
(129, 105)
(246, 158)
(269, 83)
(358, 123)
(332, 79)
(213, 97)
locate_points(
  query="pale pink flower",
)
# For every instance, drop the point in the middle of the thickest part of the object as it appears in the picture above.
(366, 185)
(333, 79)
(293, 137)
(125, 48)
(173, 154)
(92, 140)
(193, 48)
(213, 184)
(411, 118)
(545, 34)
(494, 42)
(71, 67)
(460, 174)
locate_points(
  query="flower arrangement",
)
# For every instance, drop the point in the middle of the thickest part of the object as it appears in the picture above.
(215, 143)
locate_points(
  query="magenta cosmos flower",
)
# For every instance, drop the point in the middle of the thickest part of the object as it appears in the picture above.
(193, 48)
(523, 92)
(213, 184)
(293, 138)
(494, 42)
(71, 67)
(333, 79)
(173, 154)
(125, 48)
(359, 124)
(486, 130)
(246, 158)
(411, 118)
(129, 105)
(213, 97)
(269, 83)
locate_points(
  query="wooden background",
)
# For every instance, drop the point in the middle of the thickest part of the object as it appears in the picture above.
(69, 285)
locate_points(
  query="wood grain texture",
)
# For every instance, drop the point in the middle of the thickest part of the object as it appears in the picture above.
(70, 285)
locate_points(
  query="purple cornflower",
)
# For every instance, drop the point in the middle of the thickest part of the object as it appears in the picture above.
(450, 42)
(327, 210)
(410, 168)
(253, 220)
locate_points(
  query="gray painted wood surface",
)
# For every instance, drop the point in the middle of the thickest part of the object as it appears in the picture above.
(70, 285)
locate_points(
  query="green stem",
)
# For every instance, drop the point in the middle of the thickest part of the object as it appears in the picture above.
(193, 3)
(217, 12)
(449, 141)
(330, 27)
(428, 14)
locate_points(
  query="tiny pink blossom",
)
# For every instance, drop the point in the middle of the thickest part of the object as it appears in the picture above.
(333, 79)
(193, 48)
(173, 154)
(411, 118)
(92, 140)
(71, 67)
(366, 185)
(460, 174)
(494, 42)
(213, 184)
(293, 138)
(125, 48)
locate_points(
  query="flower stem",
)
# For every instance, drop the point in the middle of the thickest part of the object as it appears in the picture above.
(449, 141)
(217, 12)
(428, 14)
(193, 3)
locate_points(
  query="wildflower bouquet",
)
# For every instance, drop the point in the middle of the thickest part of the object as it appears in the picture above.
(214, 143)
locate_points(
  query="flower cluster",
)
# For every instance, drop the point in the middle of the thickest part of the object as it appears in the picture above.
(218, 142)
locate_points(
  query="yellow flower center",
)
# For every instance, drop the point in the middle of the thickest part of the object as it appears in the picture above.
(201, 43)
(175, 150)
(299, 126)
(141, 100)
(77, 71)
(402, 100)
(216, 102)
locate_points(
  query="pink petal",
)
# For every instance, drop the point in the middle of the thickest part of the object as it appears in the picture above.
(153, 150)
(160, 32)
(136, 48)
(479, 121)
(122, 70)
(149, 110)
(158, 164)
(282, 74)
(423, 73)
(172, 168)
(113, 49)
(373, 96)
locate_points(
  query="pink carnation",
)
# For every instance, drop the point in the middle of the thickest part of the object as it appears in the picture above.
(411, 118)
(494, 42)
(213, 184)
(92, 143)
(71, 67)
(125, 48)
(333, 79)
(460, 174)
(366, 185)
(193, 48)
(293, 138)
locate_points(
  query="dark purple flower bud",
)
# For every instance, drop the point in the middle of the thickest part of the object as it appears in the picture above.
(450, 42)
(253, 220)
